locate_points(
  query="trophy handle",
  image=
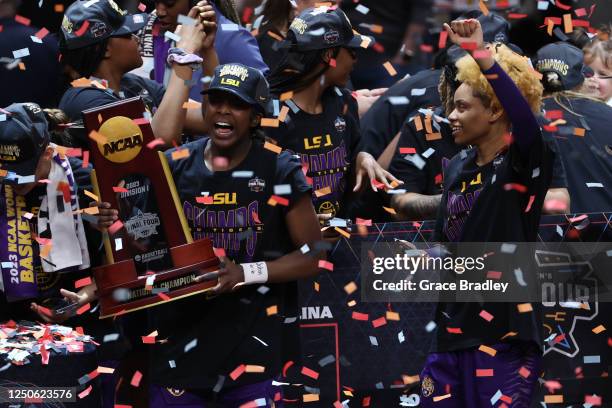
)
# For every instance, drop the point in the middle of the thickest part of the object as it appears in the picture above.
(107, 245)
(175, 197)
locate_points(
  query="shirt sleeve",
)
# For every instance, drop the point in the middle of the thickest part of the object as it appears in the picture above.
(289, 171)
(525, 128)
(82, 99)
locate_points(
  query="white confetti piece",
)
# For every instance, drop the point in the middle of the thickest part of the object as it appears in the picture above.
(169, 35)
(36, 39)
(294, 108)
(2, 117)
(327, 360)
(592, 359)
(172, 363)
(397, 191)
(242, 174)
(26, 179)
(418, 91)
(7, 265)
(230, 27)
(282, 189)
(430, 326)
(559, 230)
(184, 20)
(190, 345)
(118, 244)
(508, 248)
(496, 397)
(415, 159)
(518, 274)
(398, 100)
(400, 337)
(362, 9)
(263, 289)
(206, 79)
(110, 337)
(337, 222)
(374, 341)
(260, 340)
(542, 5)
(150, 280)
(591, 185)
(305, 249)
(428, 153)
(23, 52)
(535, 173)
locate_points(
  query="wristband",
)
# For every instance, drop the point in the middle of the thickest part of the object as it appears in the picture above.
(255, 272)
(181, 57)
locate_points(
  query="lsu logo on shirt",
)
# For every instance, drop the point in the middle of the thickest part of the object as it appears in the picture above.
(317, 142)
(225, 198)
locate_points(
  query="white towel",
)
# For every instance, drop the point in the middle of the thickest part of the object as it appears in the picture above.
(68, 242)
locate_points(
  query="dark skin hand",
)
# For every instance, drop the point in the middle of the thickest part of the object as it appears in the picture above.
(106, 217)
(303, 229)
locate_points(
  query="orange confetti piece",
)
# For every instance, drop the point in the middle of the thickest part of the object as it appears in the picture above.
(549, 27)
(280, 200)
(441, 397)
(393, 316)
(323, 191)
(376, 28)
(269, 122)
(599, 329)
(179, 154)
(283, 113)
(509, 334)
(568, 27)
(489, 350)
(365, 42)
(91, 195)
(418, 123)
(433, 136)
(350, 288)
(285, 95)
(483, 8)
(310, 397)
(58, 8)
(272, 310)
(317, 287)
(553, 399)
(389, 67)
(254, 369)
(579, 132)
(97, 137)
(524, 307)
(342, 232)
(192, 105)
(389, 210)
(272, 147)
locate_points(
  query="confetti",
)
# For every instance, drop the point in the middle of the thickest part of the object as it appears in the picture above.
(282, 189)
(169, 35)
(417, 91)
(82, 282)
(350, 288)
(22, 20)
(116, 226)
(599, 329)
(430, 326)
(592, 359)
(524, 307)
(393, 316)
(323, 191)
(326, 265)
(387, 65)
(310, 373)
(488, 350)
(484, 372)
(269, 122)
(310, 397)
(381, 321)
(238, 371)
(486, 315)
(272, 310)
(82, 29)
(360, 316)
(553, 399)
(135, 381)
(180, 153)
(272, 147)
(441, 397)
(594, 185)
(20, 53)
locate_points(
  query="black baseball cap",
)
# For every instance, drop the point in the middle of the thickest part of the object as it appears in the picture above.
(88, 22)
(565, 60)
(320, 28)
(24, 135)
(247, 83)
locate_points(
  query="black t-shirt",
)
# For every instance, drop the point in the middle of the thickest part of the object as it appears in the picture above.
(76, 100)
(269, 47)
(249, 229)
(385, 118)
(485, 204)
(587, 159)
(327, 143)
(392, 17)
(39, 81)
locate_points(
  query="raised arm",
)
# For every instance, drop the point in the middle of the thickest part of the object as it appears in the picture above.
(525, 128)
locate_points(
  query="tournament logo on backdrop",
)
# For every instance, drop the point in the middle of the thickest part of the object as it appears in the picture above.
(566, 303)
(123, 139)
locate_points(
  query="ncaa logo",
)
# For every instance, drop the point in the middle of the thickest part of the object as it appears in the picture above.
(340, 124)
(123, 139)
(331, 37)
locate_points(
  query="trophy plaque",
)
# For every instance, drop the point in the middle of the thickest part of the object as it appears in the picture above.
(152, 257)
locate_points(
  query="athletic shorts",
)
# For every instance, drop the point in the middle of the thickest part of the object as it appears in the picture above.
(474, 378)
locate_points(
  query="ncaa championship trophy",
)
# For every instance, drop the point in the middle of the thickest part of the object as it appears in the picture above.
(152, 257)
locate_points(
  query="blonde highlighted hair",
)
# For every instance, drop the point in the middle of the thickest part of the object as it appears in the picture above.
(517, 68)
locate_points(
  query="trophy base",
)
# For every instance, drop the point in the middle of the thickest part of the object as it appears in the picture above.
(121, 290)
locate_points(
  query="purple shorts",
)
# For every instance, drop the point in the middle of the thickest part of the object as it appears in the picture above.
(474, 378)
(249, 396)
